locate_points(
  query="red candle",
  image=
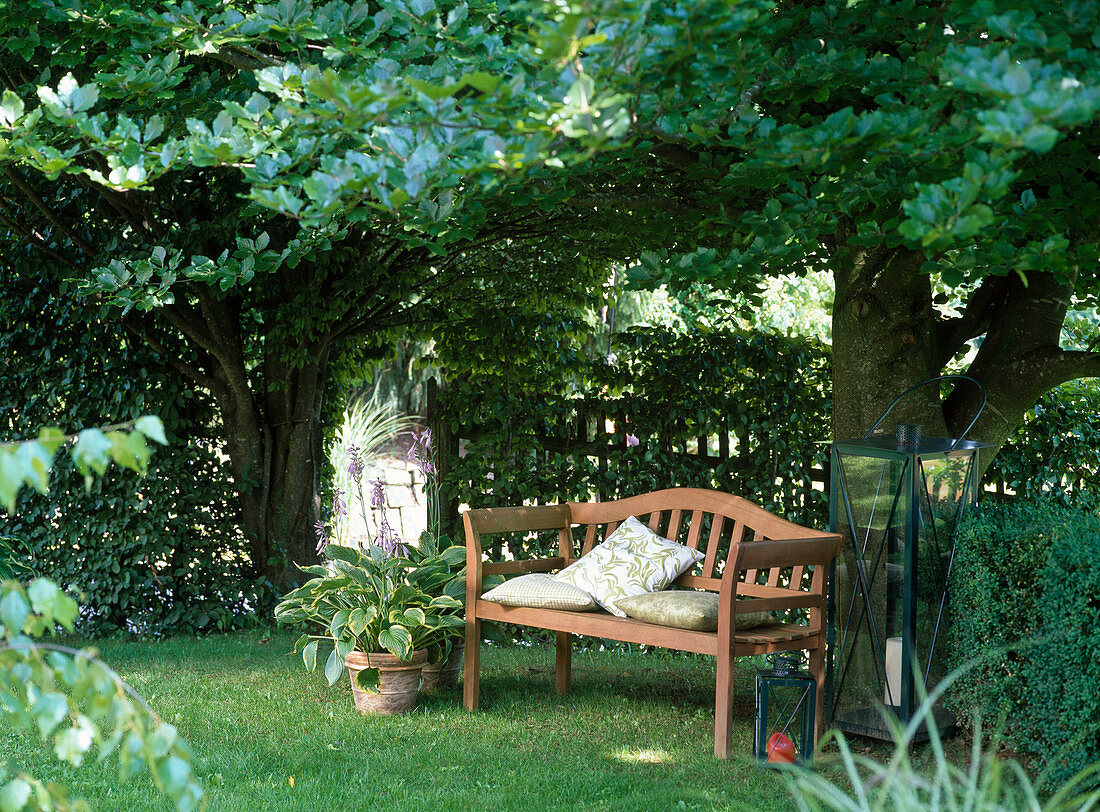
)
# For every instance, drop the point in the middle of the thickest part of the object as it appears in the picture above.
(780, 749)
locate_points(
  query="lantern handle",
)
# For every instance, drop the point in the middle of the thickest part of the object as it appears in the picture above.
(958, 439)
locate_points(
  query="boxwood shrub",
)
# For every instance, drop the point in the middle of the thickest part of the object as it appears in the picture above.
(1026, 596)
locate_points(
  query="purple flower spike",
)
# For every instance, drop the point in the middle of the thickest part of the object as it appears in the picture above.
(419, 453)
(389, 541)
(339, 507)
(322, 536)
(377, 494)
(355, 463)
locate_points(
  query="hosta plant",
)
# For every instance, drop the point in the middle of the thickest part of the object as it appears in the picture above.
(369, 600)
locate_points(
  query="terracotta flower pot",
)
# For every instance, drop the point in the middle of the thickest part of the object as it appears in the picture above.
(398, 681)
(443, 675)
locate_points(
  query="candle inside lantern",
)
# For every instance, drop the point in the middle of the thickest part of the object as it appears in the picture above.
(893, 671)
(781, 750)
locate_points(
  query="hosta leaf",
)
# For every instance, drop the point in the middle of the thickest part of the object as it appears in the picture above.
(334, 667)
(309, 655)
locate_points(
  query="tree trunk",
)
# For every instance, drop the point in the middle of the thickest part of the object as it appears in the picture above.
(276, 466)
(887, 337)
(883, 343)
(271, 417)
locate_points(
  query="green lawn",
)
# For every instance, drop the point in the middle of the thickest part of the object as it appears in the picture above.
(636, 733)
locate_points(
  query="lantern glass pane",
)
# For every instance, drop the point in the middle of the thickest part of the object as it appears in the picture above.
(945, 489)
(869, 586)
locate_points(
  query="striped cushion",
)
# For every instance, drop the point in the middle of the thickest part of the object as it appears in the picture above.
(540, 591)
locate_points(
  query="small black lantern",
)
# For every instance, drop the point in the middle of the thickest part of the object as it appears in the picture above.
(786, 701)
(896, 498)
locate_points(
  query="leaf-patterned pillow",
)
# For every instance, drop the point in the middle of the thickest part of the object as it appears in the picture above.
(632, 561)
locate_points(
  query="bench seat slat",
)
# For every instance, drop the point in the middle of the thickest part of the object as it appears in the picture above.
(601, 624)
(628, 630)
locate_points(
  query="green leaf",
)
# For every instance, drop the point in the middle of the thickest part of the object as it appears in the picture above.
(480, 80)
(11, 108)
(13, 612)
(309, 655)
(152, 427)
(92, 451)
(45, 596)
(163, 739)
(49, 710)
(397, 640)
(174, 774)
(15, 795)
(51, 438)
(357, 622)
(71, 744)
(334, 667)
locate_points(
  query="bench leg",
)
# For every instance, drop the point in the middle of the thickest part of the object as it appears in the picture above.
(563, 663)
(723, 707)
(817, 668)
(472, 665)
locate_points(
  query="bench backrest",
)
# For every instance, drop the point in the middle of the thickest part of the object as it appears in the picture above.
(713, 522)
(719, 524)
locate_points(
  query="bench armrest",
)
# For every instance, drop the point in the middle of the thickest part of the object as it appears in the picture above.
(512, 520)
(795, 553)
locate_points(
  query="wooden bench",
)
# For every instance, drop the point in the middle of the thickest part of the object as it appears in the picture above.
(750, 553)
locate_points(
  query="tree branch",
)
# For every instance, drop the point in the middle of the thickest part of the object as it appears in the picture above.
(32, 236)
(193, 373)
(50, 214)
(244, 58)
(951, 334)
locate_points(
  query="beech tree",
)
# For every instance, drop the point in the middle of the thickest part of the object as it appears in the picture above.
(253, 186)
(176, 164)
(922, 153)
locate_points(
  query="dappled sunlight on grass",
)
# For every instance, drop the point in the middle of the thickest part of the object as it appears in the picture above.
(641, 756)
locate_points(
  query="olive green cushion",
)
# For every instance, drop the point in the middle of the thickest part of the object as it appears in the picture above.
(685, 610)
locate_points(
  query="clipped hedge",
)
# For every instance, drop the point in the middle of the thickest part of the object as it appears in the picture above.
(160, 553)
(1025, 589)
(534, 425)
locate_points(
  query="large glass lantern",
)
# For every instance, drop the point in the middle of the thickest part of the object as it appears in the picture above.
(896, 499)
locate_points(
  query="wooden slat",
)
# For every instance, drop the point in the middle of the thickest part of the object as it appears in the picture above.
(697, 582)
(601, 624)
(655, 521)
(526, 565)
(589, 539)
(762, 591)
(695, 529)
(674, 525)
(773, 633)
(791, 600)
(773, 576)
(797, 574)
(519, 519)
(788, 552)
(717, 521)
